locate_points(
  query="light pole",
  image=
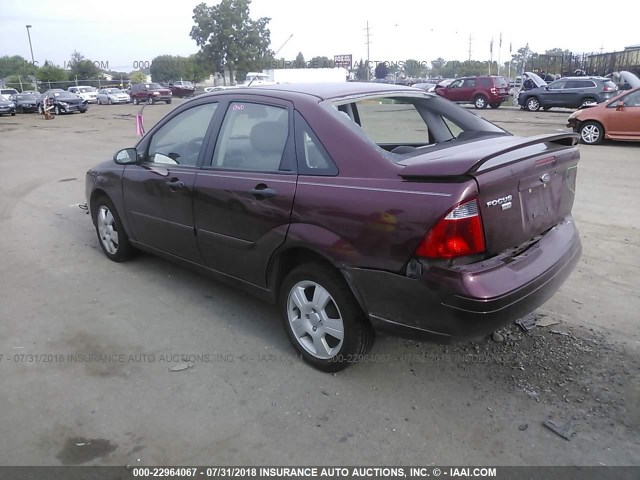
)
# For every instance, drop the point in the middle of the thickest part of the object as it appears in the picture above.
(30, 46)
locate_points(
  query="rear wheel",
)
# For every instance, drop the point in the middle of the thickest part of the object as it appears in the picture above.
(322, 318)
(135, 101)
(532, 104)
(56, 110)
(111, 235)
(591, 133)
(480, 102)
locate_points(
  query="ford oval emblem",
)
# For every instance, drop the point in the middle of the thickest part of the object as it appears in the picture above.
(545, 178)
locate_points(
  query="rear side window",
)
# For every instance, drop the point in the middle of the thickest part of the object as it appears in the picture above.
(253, 137)
(313, 159)
(579, 84)
(485, 82)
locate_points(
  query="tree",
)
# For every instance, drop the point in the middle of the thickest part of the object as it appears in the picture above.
(138, 77)
(361, 71)
(165, 68)
(50, 73)
(413, 68)
(228, 37)
(16, 65)
(381, 70)
(81, 67)
(321, 62)
(438, 63)
(299, 61)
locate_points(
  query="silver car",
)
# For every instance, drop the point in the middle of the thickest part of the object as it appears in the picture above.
(112, 95)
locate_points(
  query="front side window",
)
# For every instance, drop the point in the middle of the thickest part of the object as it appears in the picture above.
(179, 141)
(469, 82)
(455, 84)
(253, 137)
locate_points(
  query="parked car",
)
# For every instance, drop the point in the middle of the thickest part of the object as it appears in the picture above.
(615, 119)
(86, 93)
(182, 89)
(112, 95)
(5, 93)
(7, 107)
(355, 207)
(149, 93)
(25, 102)
(427, 87)
(481, 91)
(568, 92)
(63, 102)
(31, 92)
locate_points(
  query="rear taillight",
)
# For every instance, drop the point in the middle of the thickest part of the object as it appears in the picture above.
(459, 233)
(494, 91)
(609, 89)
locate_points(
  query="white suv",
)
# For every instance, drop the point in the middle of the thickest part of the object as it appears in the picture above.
(86, 93)
(5, 93)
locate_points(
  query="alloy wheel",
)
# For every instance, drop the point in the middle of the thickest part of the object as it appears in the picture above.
(315, 319)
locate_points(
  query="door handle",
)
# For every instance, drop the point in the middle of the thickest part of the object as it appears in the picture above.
(174, 184)
(261, 192)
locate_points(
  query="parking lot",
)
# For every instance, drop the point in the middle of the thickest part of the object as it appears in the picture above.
(89, 345)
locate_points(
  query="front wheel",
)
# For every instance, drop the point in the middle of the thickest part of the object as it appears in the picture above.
(533, 104)
(111, 235)
(135, 101)
(322, 318)
(591, 133)
(168, 102)
(109, 101)
(480, 102)
(56, 110)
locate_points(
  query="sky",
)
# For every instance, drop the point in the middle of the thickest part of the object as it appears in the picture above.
(123, 34)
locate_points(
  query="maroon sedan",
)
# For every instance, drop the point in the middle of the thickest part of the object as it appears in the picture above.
(354, 207)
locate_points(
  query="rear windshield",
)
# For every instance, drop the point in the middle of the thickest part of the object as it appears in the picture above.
(406, 125)
(501, 82)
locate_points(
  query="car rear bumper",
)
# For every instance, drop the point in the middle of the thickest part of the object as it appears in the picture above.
(471, 300)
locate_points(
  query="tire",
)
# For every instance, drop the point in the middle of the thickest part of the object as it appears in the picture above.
(109, 101)
(99, 102)
(56, 110)
(107, 221)
(150, 100)
(13, 114)
(135, 101)
(311, 298)
(480, 102)
(532, 104)
(591, 133)
(495, 105)
(586, 101)
(168, 102)
(40, 109)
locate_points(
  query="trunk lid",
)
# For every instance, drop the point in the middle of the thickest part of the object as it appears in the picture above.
(526, 185)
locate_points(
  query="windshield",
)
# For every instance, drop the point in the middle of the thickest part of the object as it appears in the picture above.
(65, 96)
(114, 90)
(152, 85)
(23, 96)
(86, 89)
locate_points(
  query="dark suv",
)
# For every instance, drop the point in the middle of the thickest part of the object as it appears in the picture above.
(149, 93)
(568, 92)
(481, 91)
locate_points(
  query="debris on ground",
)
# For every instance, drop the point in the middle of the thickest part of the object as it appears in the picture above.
(565, 431)
(523, 427)
(497, 337)
(527, 323)
(181, 367)
(547, 322)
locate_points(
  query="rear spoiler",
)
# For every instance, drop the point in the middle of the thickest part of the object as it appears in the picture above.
(461, 164)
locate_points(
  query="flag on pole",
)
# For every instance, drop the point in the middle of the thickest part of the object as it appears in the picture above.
(491, 46)
(510, 47)
(500, 44)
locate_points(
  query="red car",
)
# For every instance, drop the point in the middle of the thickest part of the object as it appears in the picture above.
(615, 119)
(355, 207)
(149, 93)
(481, 91)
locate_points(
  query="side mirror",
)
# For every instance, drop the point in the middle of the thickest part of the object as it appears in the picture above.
(126, 156)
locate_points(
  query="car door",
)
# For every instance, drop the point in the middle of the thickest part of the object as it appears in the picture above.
(158, 191)
(244, 192)
(575, 91)
(553, 94)
(468, 89)
(623, 120)
(453, 91)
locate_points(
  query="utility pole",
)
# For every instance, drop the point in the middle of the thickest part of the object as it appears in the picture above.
(33, 62)
(469, 49)
(368, 42)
